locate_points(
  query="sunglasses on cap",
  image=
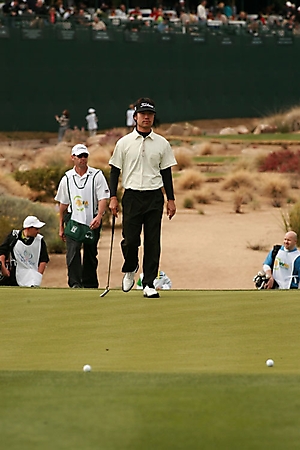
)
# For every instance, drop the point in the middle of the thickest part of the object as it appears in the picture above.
(82, 155)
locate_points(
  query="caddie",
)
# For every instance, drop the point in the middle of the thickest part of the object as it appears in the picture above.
(24, 255)
(285, 273)
(82, 194)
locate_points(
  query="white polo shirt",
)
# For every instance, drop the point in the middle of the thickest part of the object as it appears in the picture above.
(141, 160)
(101, 190)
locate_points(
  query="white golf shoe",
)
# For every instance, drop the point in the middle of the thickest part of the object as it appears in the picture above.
(150, 292)
(128, 281)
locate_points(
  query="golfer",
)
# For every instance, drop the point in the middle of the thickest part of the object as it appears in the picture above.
(23, 255)
(145, 160)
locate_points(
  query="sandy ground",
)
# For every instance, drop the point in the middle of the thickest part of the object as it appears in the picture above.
(199, 251)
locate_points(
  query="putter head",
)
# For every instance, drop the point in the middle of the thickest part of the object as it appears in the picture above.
(105, 292)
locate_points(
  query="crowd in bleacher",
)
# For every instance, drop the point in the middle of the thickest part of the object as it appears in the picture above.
(40, 13)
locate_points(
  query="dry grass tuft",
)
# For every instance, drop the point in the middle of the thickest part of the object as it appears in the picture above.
(100, 155)
(242, 196)
(10, 186)
(239, 179)
(183, 157)
(205, 196)
(205, 149)
(53, 156)
(190, 179)
(276, 187)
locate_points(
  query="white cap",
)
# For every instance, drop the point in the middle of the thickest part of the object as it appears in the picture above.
(78, 149)
(91, 110)
(32, 221)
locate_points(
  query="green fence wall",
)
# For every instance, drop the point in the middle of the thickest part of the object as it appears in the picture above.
(202, 77)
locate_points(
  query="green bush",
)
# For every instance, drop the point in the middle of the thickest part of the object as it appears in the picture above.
(13, 211)
(44, 180)
(188, 203)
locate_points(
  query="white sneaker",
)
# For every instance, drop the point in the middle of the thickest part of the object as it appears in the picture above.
(128, 281)
(150, 292)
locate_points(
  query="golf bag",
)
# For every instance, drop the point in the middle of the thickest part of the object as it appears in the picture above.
(260, 279)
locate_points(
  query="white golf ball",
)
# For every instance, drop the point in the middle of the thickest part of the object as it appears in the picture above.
(270, 362)
(87, 368)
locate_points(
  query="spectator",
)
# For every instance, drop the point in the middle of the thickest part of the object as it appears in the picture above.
(80, 17)
(145, 159)
(41, 13)
(228, 11)
(98, 24)
(130, 122)
(136, 13)
(64, 124)
(283, 272)
(52, 15)
(164, 26)
(121, 12)
(60, 9)
(82, 194)
(11, 8)
(201, 11)
(159, 16)
(179, 7)
(92, 122)
(23, 255)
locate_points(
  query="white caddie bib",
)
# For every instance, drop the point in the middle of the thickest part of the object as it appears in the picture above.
(283, 268)
(81, 193)
(27, 259)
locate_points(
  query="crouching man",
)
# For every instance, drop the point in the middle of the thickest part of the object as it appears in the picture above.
(24, 255)
(283, 272)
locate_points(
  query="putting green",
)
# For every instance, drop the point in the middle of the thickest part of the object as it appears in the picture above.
(186, 371)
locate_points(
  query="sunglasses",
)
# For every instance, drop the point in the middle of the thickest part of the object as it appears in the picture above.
(82, 155)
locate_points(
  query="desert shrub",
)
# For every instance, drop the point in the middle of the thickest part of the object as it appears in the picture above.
(13, 211)
(277, 188)
(238, 179)
(9, 186)
(241, 197)
(183, 158)
(204, 196)
(283, 161)
(206, 149)
(188, 203)
(99, 156)
(190, 179)
(291, 220)
(43, 180)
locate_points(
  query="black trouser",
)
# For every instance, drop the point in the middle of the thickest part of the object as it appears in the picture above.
(142, 209)
(82, 273)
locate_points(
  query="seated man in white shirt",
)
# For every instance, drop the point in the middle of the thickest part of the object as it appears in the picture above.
(23, 255)
(282, 271)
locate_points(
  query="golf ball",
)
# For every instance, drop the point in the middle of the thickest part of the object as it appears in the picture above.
(87, 368)
(270, 362)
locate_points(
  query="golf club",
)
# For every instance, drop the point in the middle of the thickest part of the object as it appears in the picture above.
(106, 291)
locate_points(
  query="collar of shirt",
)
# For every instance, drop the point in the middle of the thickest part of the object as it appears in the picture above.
(138, 135)
(80, 176)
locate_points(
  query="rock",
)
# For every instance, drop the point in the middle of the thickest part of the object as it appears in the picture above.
(228, 130)
(241, 129)
(265, 128)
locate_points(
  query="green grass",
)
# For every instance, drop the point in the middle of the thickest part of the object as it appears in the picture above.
(215, 159)
(186, 371)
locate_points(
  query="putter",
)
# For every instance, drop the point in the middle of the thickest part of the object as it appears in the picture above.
(106, 291)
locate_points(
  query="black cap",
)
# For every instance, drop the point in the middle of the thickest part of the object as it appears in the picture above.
(145, 106)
